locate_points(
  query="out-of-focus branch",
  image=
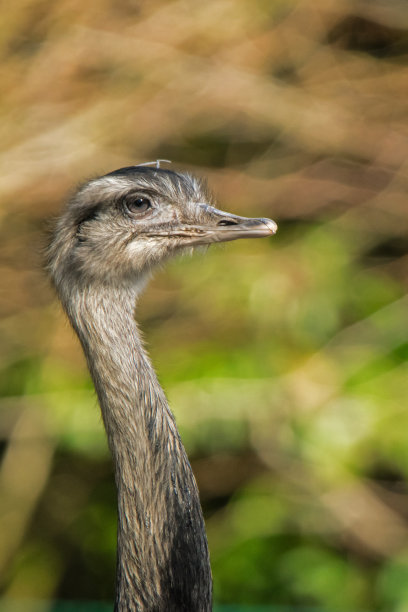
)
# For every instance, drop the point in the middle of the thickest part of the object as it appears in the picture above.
(23, 475)
(364, 517)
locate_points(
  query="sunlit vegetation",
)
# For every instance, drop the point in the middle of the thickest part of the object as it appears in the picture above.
(285, 360)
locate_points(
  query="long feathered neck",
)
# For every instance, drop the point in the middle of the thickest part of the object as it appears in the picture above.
(162, 562)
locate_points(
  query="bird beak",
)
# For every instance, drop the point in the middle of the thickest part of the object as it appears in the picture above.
(223, 227)
(217, 226)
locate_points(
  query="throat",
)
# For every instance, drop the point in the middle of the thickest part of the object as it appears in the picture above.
(163, 559)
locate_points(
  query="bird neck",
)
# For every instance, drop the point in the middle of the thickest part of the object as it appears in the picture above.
(163, 561)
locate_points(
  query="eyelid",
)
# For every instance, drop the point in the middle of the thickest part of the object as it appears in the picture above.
(151, 194)
(136, 195)
(131, 209)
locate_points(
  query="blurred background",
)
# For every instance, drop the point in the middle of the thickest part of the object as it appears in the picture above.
(285, 360)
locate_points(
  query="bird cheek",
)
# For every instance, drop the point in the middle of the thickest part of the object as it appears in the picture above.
(145, 253)
(136, 252)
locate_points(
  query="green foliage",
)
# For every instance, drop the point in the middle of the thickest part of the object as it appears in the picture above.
(285, 360)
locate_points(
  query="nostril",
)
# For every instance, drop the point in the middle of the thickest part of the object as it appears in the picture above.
(227, 222)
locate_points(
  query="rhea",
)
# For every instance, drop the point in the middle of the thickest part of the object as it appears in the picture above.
(114, 231)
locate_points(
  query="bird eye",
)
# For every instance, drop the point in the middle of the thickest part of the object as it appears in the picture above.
(137, 205)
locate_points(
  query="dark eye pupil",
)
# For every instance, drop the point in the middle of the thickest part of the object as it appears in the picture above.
(138, 205)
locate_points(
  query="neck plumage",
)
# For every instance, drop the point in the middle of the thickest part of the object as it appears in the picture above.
(162, 561)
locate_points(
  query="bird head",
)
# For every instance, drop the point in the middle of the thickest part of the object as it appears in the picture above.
(118, 227)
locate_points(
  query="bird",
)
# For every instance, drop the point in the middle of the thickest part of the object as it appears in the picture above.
(110, 236)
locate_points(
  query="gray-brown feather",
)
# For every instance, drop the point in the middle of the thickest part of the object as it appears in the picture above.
(163, 561)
